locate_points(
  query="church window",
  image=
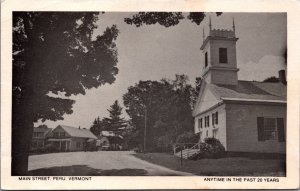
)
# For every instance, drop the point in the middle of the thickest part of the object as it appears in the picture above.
(270, 129)
(215, 118)
(223, 55)
(199, 123)
(207, 121)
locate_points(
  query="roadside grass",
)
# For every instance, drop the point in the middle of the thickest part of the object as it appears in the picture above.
(228, 166)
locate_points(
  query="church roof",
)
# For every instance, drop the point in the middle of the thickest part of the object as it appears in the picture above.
(251, 90)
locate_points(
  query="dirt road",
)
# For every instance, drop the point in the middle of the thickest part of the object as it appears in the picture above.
(100, 163)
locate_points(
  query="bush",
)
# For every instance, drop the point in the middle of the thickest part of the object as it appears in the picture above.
(211, 148)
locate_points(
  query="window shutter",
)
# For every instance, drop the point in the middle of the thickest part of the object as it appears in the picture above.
(213, 119)
(260, 128)
(280, 129)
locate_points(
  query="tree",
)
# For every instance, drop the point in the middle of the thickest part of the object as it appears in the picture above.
(97, 126)
(271, 79)
(115, 121)
(168, 107)
(43, 126)
(166, 19)
(54, 57)
(196, 91)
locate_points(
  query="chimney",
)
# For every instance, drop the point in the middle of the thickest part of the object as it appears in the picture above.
(79, 127)
(282, 77)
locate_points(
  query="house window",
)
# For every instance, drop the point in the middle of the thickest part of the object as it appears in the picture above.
(223, 55)
(78, 144)
(206, 133)
(215, 132)
(216, 118)
(62, 134)
(206, 60)
(55, 134)
(270, 129)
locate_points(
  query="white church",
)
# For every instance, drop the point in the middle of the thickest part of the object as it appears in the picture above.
(246, 116)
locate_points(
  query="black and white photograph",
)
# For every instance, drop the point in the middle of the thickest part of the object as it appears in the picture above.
(149, 94)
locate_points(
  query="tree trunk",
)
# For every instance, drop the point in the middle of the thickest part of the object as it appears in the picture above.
(21, 140)
(22, 128)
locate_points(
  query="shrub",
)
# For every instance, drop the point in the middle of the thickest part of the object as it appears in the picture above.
(211, 148)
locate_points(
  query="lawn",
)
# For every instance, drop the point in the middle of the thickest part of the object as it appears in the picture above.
(229, 166)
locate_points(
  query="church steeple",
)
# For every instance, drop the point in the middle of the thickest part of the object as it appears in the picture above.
(219, 50)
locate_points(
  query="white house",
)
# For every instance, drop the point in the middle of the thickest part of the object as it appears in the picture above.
(246, 116)
(67, 138)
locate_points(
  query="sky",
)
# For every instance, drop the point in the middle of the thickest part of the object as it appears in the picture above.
(153, 52)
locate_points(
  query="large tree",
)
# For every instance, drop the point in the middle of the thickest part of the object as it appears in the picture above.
(164, 107)
(54, 56)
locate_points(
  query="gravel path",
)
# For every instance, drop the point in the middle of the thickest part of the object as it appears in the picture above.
(113, 162)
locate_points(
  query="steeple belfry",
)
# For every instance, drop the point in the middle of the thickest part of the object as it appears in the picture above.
(219, 56)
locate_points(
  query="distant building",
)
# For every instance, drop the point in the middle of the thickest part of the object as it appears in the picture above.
(246, 116)
(39, 137)
(108, 140)
(66, 138)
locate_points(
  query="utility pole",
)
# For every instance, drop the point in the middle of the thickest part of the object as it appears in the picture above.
(145, 129)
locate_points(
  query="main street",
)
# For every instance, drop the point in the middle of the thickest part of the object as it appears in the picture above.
(99, 163)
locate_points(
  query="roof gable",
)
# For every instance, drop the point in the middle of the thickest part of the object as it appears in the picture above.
(206, 99)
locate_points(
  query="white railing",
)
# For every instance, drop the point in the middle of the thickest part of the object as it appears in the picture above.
(186, 150)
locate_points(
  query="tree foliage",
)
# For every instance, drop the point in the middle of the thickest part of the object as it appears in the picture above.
(166, 19)
(115, 121)
(167, 105)
(98, 126)
(54, 57)
(273, 79)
